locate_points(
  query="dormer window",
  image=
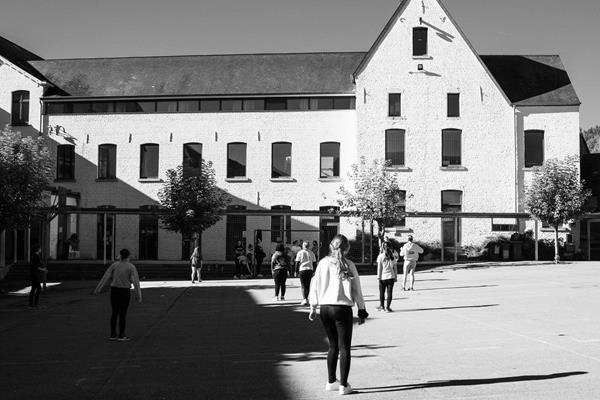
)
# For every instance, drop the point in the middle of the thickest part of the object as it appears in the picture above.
(419, 42)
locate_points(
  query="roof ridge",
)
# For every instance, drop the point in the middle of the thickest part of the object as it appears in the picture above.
(203, 55)
(521, 55)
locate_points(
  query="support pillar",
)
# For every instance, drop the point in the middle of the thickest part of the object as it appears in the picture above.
(455, 240)
(104, 237)
(535, 238)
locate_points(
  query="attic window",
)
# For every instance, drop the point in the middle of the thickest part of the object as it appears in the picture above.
(419, 41)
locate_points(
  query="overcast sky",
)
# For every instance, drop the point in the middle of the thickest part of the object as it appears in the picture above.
(112, 28)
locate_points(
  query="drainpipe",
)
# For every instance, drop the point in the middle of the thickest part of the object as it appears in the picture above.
(516, 138)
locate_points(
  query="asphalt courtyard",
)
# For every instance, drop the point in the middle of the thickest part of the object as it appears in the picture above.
(509, 332)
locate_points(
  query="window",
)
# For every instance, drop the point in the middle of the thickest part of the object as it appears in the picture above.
(451, 202)
(128, 107)
(210, 105)
(453, 105)
(276, 103)
(166, 106)
(451, 147)
(149, 161)
(189, 106)
(254, 104)
(192, 159)
(330, 160)
(281, 155)
(236, 160)
(281, 226)
(534, 148)
(20, 108)
(65, 161)
(231, 105)
(107, 161)
(394, 146)
(235, 230)
(344, 103)
(321, 103)
(402, 208)
(505, 225)
(395, 108)
(300, 104)
(419, 41)
(99, 106)
(148, 235)
(83, 107)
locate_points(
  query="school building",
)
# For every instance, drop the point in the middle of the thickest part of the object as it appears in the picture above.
(463, 132)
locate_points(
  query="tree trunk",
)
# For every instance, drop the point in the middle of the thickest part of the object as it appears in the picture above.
(371, 243)
(556, 255)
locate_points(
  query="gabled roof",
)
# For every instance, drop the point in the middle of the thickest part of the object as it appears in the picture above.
(533, 80)
(19, 57)
(238, 74)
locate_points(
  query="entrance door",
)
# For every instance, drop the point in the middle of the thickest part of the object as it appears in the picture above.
(110, 235)
(451, 229)
(328, 227)
(235, 230)
(148, 237)
(594, 240)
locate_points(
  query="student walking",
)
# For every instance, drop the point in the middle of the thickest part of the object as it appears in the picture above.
(336, 288)
(121, 275)
(305, 260)
(259, 256)
(280, 266)
(410, 251)
(36, 273)
(387, 275)
(196, 263)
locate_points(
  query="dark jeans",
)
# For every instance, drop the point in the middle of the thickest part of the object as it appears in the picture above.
(257, 266)
(305, 277)
(36, 289)
(386, 285)
(280, 276)
(238, 266)
(337, 321)
(119, 300)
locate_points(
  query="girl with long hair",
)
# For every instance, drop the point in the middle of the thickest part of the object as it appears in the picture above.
(336, 288)
(280, 266)
(387, 275)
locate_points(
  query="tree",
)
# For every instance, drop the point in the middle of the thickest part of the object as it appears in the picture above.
(556, 196)
(25, 171)
(194, 202)
(375, 195)
(592, 138)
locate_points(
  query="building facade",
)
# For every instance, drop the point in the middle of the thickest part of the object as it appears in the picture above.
(463, 132)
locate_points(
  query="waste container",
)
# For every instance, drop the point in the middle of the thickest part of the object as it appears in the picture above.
(505, 251)
(517, 250)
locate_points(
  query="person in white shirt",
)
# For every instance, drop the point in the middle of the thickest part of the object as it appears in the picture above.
(304, 263)
(410, 251)
(336, 288)
(121, 276)
(387, 275)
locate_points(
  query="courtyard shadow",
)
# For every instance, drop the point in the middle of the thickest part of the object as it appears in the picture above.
(449, 308)
(468, 382)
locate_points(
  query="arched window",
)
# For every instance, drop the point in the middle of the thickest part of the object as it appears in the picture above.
(330, 160)
(107, 161)
(236, 160)
(149, 161)
(281, 160)
(20, 108)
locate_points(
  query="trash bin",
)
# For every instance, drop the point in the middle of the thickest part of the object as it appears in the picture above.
(505, 251)
(494, 251)
(517, 250)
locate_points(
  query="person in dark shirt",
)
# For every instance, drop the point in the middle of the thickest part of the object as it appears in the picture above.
(36, 272)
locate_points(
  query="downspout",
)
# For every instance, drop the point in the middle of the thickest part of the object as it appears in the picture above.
(516, 138)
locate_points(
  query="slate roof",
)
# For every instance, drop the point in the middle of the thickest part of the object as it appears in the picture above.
(239, 74)
(19, 57)
(533, 80)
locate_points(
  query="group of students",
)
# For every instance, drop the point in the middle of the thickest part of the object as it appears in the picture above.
(333, 287)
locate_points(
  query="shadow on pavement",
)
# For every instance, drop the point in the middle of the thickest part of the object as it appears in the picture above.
(457, 287)
(467, 382)
(448, 308)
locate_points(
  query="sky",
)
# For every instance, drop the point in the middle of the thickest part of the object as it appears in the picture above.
(118, 28)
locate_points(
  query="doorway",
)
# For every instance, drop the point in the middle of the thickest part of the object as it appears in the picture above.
(594, 240)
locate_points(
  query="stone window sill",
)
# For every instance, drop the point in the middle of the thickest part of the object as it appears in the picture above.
(107, 180)
(423, 57)
(286, 179)
(150, 180)
(454, 168)
(335, 179)
(399, 169)
(238, 179)
(65, 180)
(531, 168)
(397, 117)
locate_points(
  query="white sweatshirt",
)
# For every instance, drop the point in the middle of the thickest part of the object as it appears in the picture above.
(121, 274)
(326, 287)
(410, 251)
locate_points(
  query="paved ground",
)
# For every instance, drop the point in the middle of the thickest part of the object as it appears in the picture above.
(513, 332)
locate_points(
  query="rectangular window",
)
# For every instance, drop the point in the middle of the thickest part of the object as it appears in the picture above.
(401, 208)
(210, 105)
(394, 104)
(281, 226)
(235, 232)
(504, 225)
(236, 160)
(107, 161)
(451, 202)
(166, 106)
(451, 147)
(192, 159)
(231, 105)
(419, 41)
(275, 103)
(59, 108)
(394, 146)
(189, 106)
(534, 148)
(103, 107)
(65, 162)
(148, 237)
(297, 104)
(147, 106)
(281, 166)
(321, 103)
(343, 103)
(254, 104)
(149, 161)
(330, 160)
(453, 105)
(127, 107)
(82, 108)
(20, 108)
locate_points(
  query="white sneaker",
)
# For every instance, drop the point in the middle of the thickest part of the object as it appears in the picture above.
(275, 298)
(332, 387)
(345, 389)
(303, 302)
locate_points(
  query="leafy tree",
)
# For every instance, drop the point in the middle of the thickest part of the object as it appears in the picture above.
(375, 195)
(556, 195)
(194, 201)
(25, 171)
(592, 138)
